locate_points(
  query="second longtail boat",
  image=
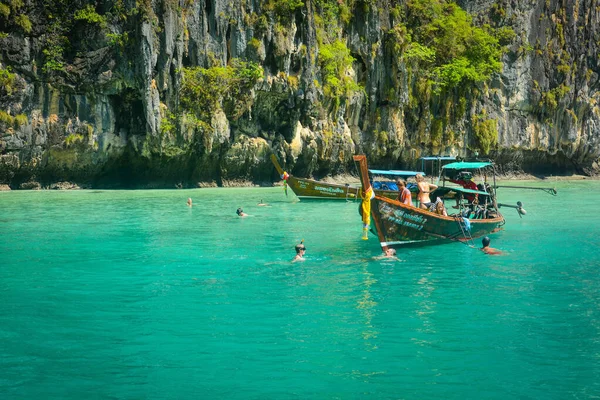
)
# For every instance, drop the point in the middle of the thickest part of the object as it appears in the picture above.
(309, 189)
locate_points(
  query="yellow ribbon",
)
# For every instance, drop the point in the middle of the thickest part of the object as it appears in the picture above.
(366, 212)
(366, 206)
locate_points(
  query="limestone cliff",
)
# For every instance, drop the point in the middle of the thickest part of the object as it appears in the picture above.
(163, 92)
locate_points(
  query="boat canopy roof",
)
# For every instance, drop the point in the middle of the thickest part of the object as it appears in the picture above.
(447, 189)
(394, 172)
(466, 165)
(435, 158)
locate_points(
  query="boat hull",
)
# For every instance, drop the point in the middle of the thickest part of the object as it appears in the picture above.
(399, 225)
(308, 189)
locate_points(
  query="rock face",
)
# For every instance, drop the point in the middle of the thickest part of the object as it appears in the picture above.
(104, 94)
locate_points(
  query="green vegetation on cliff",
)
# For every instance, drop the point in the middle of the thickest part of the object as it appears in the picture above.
(7, 81)
(445, 45)
(204, 90)
(12, 14)
(486, 132)
(336, 61)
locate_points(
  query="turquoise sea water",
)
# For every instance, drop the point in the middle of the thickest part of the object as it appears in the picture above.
(133, 295)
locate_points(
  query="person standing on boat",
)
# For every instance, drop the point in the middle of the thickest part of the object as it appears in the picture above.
(465, 179)
(405, 195)
(424, 189)
(486, 247)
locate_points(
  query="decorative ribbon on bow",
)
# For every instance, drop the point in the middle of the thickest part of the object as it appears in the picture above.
(285, 177)
(366, 211)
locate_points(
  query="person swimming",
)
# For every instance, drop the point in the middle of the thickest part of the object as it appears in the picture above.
(388, 254)
(189, 201)
(240, 212)
(486, 247)
(300, 250)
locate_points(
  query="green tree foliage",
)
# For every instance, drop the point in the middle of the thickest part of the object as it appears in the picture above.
(24, 22)
(443, 43)
(4, 10)
(7, 81)
(73, 139)
(205, 90)
(89, 15)
(330, 16)
(284, 9)
(485, 132)
(19, 18)
(20, 120)
(335, 61)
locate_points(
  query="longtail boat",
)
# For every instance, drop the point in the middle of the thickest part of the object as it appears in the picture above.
(309, 189)
(397, 224)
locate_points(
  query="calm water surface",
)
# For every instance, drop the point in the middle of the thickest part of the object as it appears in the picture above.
(131, 295)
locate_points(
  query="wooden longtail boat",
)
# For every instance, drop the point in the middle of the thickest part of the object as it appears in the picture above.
(309, 189)
(397, 224)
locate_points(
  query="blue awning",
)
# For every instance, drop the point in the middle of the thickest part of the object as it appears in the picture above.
(394, 172)
(466, 165)
(446, 189)
(434, 158)
(463, 190)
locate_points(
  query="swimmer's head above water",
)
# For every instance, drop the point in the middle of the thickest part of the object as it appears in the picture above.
(300, 247)
(485, 241)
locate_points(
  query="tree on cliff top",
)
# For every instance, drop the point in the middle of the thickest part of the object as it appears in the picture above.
(446, 45)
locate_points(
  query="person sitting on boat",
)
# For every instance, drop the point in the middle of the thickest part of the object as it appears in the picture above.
(440, 208)
(300, 250)
(424, 189)
(405, 195)
(486, 247)
(241, 212)
(465, 179)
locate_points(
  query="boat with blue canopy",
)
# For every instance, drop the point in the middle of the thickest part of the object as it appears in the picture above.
(471, 185)
(397, 224)
(384, 182)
